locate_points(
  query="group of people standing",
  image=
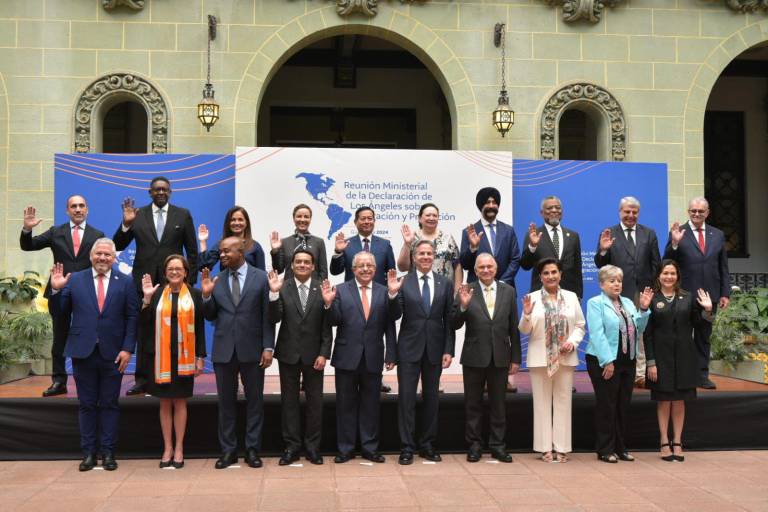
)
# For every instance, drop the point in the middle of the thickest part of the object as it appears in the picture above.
(101, 317)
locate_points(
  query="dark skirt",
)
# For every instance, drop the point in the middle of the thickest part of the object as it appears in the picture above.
(678, 394)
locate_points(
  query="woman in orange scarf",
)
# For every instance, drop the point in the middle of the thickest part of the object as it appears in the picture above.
(174, 333)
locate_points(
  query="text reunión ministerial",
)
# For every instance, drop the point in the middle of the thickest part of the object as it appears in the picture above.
(385, 185)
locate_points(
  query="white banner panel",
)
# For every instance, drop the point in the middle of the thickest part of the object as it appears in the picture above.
(395, 183)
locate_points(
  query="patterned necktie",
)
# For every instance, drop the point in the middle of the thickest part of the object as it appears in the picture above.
(160, 224)
(76, 239)
(556, 242)
(492, 229)
(366, 304)
(303, 296)
(236, 287)
(366, 245)
(630, 240)
(701, 240)
(490, 303)
(425, 293)
(100, 295)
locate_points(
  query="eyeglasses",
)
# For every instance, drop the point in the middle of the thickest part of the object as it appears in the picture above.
(697, 211)
(365, 265)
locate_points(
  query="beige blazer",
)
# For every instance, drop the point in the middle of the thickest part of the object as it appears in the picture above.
(533, 326)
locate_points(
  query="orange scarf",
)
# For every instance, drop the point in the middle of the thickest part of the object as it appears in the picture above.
(185, 319)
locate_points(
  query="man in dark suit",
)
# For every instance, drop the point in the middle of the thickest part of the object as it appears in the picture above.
(345, 249)
(160, 229)
(552, 240)
(700, 251)
(360, 311)
(70, 244)
(491, 350)
(635, 250)
(104, 308)
(492, 236)
(237, 302)
(424, 347)
(303, 346)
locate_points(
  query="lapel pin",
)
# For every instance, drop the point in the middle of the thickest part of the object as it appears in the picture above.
(660, 305)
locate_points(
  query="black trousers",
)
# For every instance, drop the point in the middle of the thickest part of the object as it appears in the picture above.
(143, 360)
(701, 335)
(612, 408)
(60, 326)
(358, 397)
(252, 376)
(475, 380)
(407, 382)
(290, 375)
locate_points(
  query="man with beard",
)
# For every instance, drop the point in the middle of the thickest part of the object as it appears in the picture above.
(552, 240)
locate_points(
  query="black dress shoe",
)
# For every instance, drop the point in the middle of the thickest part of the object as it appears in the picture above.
(88, 463)
(626, 457)
(385, 388)
(135, 390)
(501, 456)
(373, 457)
(342, 457)
(313, 457)
(57, 388)
(252, 458)
(430, 454)
(108, 462)
(474, 455)
(226, 460)
(406, 458)
(288, 457)
(708, 384)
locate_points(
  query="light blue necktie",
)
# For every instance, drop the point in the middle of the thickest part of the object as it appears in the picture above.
(492, 227)
(160, 224)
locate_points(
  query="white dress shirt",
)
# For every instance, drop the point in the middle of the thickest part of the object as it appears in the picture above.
(487, 229)
(96, 281)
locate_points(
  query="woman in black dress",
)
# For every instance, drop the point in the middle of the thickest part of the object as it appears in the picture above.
(174, 337)
(671, 353)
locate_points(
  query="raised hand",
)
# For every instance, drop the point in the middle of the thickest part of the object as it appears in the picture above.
(328, 292)
(676, 232)
(473, 236)
(58, 279)
(606, 240)
(340, 243)
(206, 283)
(393, 283)
(275, 281)
(147, 289)
(645, 298)
(408, 234)
(534, 237)
(274, 241)
(465, 295)
(527, 304)
(202, 233)
(30, 220)
(704, 299)
(129, 212)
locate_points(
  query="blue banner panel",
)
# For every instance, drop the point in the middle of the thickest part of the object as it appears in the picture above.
(590, 193)
(204, 184)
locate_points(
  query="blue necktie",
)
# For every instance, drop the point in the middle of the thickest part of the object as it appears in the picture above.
(425, 293)
(492, 227)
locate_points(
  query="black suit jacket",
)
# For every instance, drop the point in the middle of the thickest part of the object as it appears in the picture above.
(178, 238)
(708, 270)
(303, 335)
(422, 330)
(571, 259)
(59, 240)
(489, 340)
(639, 266)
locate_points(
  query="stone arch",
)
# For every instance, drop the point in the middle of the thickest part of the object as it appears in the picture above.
(596, 102)
(392, 26)
(114, 88)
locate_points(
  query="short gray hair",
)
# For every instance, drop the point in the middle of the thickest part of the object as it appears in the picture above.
(629, 201)
(548, 198)
(360, 255)
(699, 199)
(482, 255)
(104, 241)
(608, 272)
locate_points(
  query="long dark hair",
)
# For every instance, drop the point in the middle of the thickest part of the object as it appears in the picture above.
(247, 238)
(657, 279)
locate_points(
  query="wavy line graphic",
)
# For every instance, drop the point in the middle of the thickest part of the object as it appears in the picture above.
(561, 178)
(66, 166)
(171, 170)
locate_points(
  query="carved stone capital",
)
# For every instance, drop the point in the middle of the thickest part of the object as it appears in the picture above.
(579, 93)
(110, 5)
(125, 84)
(366, 7)
(750, 6)
(590, 10)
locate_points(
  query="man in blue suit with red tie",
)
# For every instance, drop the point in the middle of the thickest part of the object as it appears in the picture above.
(346, 248)
(700, 251)
(102, 336)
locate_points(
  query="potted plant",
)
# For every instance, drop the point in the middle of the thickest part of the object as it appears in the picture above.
(25, 326)
(739, 340)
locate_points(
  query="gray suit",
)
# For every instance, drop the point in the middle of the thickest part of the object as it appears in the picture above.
(242, 332)
(639, 265)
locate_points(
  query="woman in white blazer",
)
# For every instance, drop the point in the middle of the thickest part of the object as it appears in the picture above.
(554, 322)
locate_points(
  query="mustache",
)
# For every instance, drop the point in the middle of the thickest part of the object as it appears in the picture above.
(491, 209)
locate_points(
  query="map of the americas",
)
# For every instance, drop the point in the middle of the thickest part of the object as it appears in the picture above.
(318, 185)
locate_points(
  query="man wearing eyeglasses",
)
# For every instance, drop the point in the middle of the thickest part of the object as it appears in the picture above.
(700, 251)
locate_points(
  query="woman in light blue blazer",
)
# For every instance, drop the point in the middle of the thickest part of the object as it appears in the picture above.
(615, 326)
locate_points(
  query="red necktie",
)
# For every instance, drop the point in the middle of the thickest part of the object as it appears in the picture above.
(100, 293)
(76, 239)
(366, 304)
(701, 240)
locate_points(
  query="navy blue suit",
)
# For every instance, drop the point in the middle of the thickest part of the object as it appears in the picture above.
(359, 356)
(381, 250)
(94, 341)
(708, 270)
(507, 254)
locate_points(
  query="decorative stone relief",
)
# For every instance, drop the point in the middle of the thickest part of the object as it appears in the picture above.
(366, 7)
(590, 10)
(121, 83)
(109, 5)
(748, 5)
(578, 93)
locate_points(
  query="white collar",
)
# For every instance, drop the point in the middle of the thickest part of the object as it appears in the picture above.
(155, 208)
(72, 225)
(492, 286)
(420, 274)
(694, 228)
(305, 283)
(242, 269)
(624, 227)
(95, 274)
(359, 284)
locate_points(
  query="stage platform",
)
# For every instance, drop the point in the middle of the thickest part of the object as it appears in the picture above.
(31, 427)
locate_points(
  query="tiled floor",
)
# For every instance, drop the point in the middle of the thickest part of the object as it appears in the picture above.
(706, 481)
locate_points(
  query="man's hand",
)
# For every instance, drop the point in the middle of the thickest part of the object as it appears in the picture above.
(465, 295)
(30, 220)
(534, 237)
(129, 212)
(275, 281)
(122, 360)
(389, 366)
(328, 292)
(474, 237)
(606, 240)
(676, 232)
(266, 359)
(723, 302)
(274, 241)
(340, 243)
(447, 360)
(206, 283)
(393, 283)
(319, 363)
(514, 368)
(58, 279)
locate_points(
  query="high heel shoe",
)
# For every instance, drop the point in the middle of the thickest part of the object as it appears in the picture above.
(670, 457)
(678, 458)
(165, 463)
(177, 465)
